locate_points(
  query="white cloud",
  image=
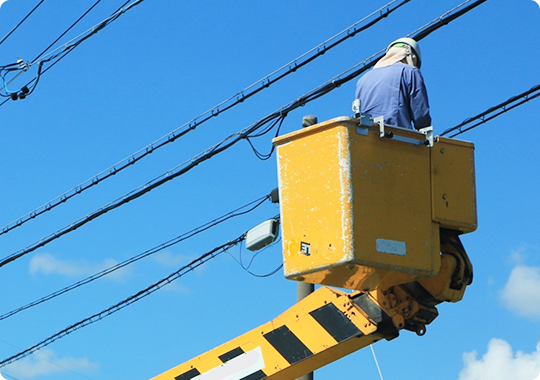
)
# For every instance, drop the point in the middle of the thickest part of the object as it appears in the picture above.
(499, 363)
(46, 362)
(520, 294)
(167, 259)
(47, 264)
(520, 255)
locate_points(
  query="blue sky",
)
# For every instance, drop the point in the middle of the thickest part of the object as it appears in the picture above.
(165, 62)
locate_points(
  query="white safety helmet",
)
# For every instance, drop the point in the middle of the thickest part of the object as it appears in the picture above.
(414, 46)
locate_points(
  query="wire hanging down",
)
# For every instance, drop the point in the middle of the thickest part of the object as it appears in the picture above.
(224, 106)
(237, 212)
(20, 23)
(235, 138)
(503, 107)
(376, 361)
(128, 301)
(247, 267)
(54, 56)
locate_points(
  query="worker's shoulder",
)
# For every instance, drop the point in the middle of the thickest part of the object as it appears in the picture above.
(396, 67)
(410, 73)
(405, 68)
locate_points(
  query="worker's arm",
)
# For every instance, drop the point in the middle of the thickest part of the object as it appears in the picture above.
(419, 103)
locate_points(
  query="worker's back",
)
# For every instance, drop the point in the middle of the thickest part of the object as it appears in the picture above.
(397, 93)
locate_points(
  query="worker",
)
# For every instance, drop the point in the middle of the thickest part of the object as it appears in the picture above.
(395, 88)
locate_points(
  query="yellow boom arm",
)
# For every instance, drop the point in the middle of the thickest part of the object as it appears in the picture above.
(330, 324)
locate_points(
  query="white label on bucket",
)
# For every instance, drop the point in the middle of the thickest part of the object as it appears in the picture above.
(391, 246)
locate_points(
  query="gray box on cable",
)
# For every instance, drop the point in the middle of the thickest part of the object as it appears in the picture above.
(262, 235)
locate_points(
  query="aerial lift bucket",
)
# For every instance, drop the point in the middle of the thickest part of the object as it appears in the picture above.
(367, 207)
(363, 207)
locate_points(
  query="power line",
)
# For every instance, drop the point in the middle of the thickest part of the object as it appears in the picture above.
(224, 106)
(237, 212)
(74, 42)
(45, 360)
(9, 376)
(68, 29)
(59, 53)
(128, 301)
(141, 190)
(247, 132)
(20, 23)
(369, 62)
(491, 113)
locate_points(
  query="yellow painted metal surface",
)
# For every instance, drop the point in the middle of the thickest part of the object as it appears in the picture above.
(453, 184)
(357, 210)
(320, 329)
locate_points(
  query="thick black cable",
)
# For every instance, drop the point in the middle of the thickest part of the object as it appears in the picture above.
(266, 156)
(238, 98)
(20, 23)
(128, 301)
(237, 212)
(229, 141)
(368, 63)
(147, 187)
(503, 107)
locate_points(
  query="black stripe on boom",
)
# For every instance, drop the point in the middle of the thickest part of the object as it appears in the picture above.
(288, 344)
(255, 376)
(335, 322)
(188, 375)
(231, 354)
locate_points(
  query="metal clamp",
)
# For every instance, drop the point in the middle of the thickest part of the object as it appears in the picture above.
(356, 108)
(428, 131)
(382, 134)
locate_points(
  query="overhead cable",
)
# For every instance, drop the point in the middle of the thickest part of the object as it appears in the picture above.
(141, 190)
(224, 106)
(237, 212)
(9, 376)
(494, 111)
(128, 301)
(67, 30)
(20, 23)
(369, 62)
(56, 55)
(233, 139)
(52, 363)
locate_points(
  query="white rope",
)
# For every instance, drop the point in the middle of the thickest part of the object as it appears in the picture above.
(376, 362)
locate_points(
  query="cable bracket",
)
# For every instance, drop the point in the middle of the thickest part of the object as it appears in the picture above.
(428, 132)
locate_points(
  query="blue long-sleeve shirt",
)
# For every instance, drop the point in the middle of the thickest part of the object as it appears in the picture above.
(396, 92)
